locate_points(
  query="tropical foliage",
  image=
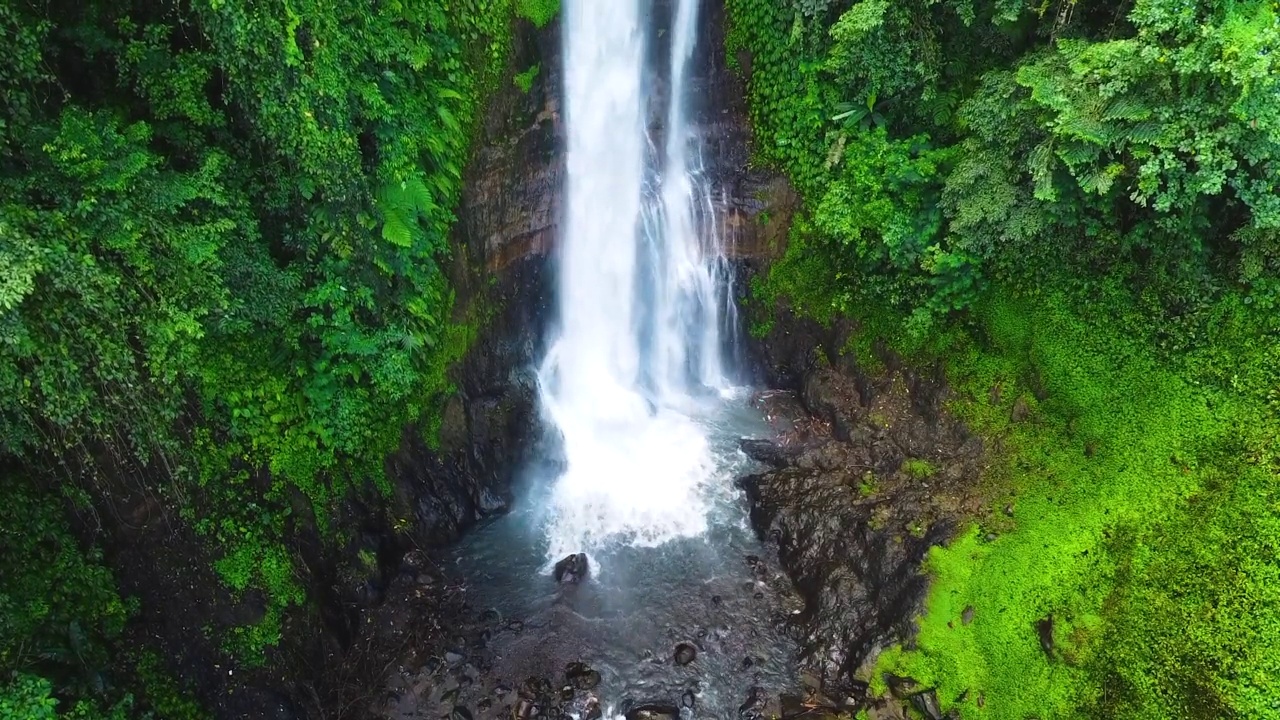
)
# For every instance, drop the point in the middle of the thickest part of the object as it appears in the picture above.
(1075, 203)
(223, 229)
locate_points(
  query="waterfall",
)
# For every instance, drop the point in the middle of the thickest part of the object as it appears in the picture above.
(641, 292)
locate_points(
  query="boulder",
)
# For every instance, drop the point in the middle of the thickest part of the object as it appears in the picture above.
(654, 711)
(685, 653)
(581, 676)
(572, 569)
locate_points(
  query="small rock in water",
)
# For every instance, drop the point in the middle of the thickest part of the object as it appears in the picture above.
(593, 711)
(525, 709)
(966, 617)
(535, 687)
(793, 707)
(654, 711)
(687, 699)
(572, 569)
(685, 653)
(453, 657)
(581, 676)
(767, 451)
(459, 713)
(715, 600)
(515, 626)
(754, 704)
(759, 595)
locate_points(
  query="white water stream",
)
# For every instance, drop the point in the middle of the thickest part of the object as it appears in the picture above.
(637, 358)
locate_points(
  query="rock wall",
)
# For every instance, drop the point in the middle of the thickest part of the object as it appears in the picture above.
(508, 226)
(871, 475)
(376, 598)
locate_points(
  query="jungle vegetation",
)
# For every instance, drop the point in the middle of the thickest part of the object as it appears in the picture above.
(1075, 207)
(223, 228)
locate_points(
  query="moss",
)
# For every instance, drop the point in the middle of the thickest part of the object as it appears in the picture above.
(1124, 449)
(524, 80)
(918, 469)
(539, 12)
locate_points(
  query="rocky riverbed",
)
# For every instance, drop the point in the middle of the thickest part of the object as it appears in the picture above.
(858, 475)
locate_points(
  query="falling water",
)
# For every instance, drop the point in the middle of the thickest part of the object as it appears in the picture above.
(639, 345)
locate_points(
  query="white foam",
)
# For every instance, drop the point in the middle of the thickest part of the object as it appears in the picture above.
(640, 267)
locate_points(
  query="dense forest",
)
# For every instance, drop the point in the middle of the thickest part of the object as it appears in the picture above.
(223, 235)
(1075, 207)
(222, 232)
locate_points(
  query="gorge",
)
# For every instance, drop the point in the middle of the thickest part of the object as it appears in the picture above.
(640, 359)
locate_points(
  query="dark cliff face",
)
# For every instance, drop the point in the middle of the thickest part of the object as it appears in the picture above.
(874, 473)
(374, 594)
(506, 239)
(501, 272)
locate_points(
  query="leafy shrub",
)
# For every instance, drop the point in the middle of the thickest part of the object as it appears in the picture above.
(1077, 207)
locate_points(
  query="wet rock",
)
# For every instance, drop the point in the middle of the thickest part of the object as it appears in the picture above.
(525, 709)
(901, 687)
(453, 657)
(593, 710)
(654, 711)
(793, 706)
(768, 452)
(535, 687)
(927, 704)
(572, 569)
(852, 547)
(581, 676)
(966, 616)
(459, 712)
(685, 653)
(753, 706)
(515, 626)
(687, 699)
